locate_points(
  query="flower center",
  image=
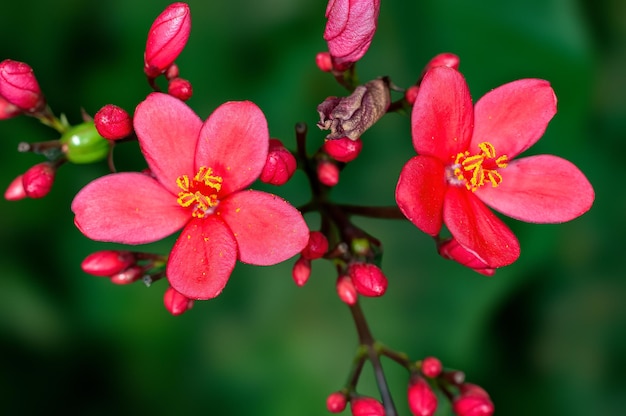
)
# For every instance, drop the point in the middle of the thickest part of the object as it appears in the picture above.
(475, 170)
(201, 190)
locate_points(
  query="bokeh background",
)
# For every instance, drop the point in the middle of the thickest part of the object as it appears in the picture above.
(545, 336)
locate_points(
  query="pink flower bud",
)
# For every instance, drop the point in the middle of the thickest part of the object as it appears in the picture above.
(443, 59)
(38, 180)
(452, 250)
(366, 406)
(107, 262)
(336, 402)
(127, 276)
(113, 122)
(15, 191)
(301, 271)
(346, 290)
(166, 39)
(279, 165)
(8, 110)
(422, 400)
(172, 72)
(316, 247)
(349, 30)
(343, 149)
(328, 173)
(180, 88)
(411, 94)
(473, 401)
(368, 279)
(431, 367)
(324, 61)
(19, 86)
(175, 302)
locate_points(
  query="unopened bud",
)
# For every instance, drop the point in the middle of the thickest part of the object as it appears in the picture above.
(113, 122)
(410, 95)
(175, 302)
(324, 61)
(15, 191)
(452, 250)
(172, 72)
(328, 173)
(473, 401)
(19, 86)
(107, 262)
(127, 276)
(343, 149)
(443, 59)
(431, 367)
(316, 247)
(279, 165)
(83, 144)
(301, 271)
(180, 88)
(38, 180)
(346, 290)
(366, 406)
(422, 399)
(166, 39)
(336, 402)
(368, 279)
(8, 110)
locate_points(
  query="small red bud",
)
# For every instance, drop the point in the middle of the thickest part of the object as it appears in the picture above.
(316, 247)
(324, 61)
(443, 59)
(279, 165)
(473, 401)
(336, 402)
(38, 180)
(113, 122)
(166, 39)
(346, 290)
(343, 149)
(8, 110)
(422, 400)
(175, 302)
(19, 86)
(15, 190)
(411, 94)
(368, 279)
(301, 271)
(172, 72)
(431, 367)
(366, 406)
(180, 88)
(130, 275)
(328, 173)
(452, 250)
(107, 262)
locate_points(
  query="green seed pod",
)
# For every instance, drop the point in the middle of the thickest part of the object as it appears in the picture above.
(83, 144)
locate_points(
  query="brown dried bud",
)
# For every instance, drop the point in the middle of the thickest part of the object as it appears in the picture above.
(351, 116)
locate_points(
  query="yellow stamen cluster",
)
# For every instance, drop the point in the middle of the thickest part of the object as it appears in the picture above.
(477, 169)
(201, 190)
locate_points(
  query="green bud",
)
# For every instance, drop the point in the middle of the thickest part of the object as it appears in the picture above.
(83, 144)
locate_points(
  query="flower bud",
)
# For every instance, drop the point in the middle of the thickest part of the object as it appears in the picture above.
(336, 402)
(180, 88)
(301, 271)
(443, 59)
(107, 262)
(113, 122)
(324, 61)
(175, 302)
(328, 173)
(473, 401)
(279, 165)
(15, 191)
(166, 39)
(172, 72)
(19, 86)
(422, 400)
(366, 406)
(343, 149)
(431, 367)
(127, 276)
(368, 279)
(8, 110)
(346, 290)
(452, 250)
(83, 144)
(38, 180)
(351, 116)
(316, 247)
(410, 95)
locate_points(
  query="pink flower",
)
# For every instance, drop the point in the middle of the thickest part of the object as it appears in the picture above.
(198, 175)
(466, 159)
(349, 30)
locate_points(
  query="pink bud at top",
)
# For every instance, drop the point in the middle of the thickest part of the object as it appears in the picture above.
(113, 122)
(324, 61)
(15, 190)
(422, 399)
(473, 401)
(336, 402)
(19, 86)
(38, 180)
(107, 262)
(368, 279)
(349, 30)
(411, 94)
(443, 59)
(301, 271)
(166, 39)
(452, 250)
(346, 290)
(431, 367)
(176, 303)
(8, 110)
(328, 173)
(343, 149)
(180, 88)
(366, 406)
(279, 165)
(316, 247)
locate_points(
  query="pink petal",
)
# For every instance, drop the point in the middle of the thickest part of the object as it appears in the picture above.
(514, 116)
(234, 142)
(267, 228)
(202, 258)
(420, 193)
(168, 132)
(477, 229)
(540, 189)
(128, 208)
(442, 115)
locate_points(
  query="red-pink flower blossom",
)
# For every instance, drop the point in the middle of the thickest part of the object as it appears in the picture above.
(198, 175)
(466, 160)
(349, 30)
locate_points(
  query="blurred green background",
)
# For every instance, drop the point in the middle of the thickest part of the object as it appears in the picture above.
(545, 336)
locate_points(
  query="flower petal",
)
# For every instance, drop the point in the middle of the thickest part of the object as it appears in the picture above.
(477, 229)
(514, 116)
(128, 208)
(168, 131)
(234, 142)
(441, 121)
(267, 228)
(420, 191)
(202, 258)
(540, 189)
